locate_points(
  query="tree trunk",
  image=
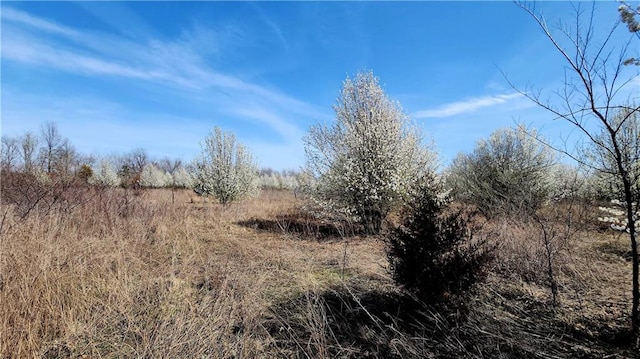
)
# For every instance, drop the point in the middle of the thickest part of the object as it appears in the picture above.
(372, 220)
(635, 315)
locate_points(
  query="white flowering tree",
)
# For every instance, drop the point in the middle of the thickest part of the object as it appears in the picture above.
(366, 161)
(225, 169)
(628, 16)
(105, 174)
(182, 178)
(154, 177)
(569, 181)
(289, 182)
(506, 173)
(269, 179)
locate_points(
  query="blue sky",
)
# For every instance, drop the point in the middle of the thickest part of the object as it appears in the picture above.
(115, 76)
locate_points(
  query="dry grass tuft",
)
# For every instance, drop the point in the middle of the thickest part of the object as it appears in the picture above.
(129, 274)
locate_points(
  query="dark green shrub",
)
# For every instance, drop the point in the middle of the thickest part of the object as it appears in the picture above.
(433, 253)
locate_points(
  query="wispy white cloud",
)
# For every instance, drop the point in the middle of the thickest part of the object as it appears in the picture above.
(273, 120)
(31, 51)
(466, 106)
(178, 64)
(120, 18)
(175, 62)
(9, 14)
(271, 25)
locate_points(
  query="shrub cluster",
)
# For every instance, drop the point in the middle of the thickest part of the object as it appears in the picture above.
(507, 173)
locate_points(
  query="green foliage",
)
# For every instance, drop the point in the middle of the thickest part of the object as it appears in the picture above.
(505, 174)
(433, 254)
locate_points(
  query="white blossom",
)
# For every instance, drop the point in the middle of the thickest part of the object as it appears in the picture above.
(225, 168)
(182, 178)
(153, 177)
(369, 158)
(105, 174)
(278, 180)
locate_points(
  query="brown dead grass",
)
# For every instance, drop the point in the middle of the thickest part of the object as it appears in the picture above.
(132, 275)
(129, 275)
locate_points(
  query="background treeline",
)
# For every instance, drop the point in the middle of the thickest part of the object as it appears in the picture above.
(48, 155)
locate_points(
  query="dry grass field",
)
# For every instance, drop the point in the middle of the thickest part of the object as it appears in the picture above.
(133, 275)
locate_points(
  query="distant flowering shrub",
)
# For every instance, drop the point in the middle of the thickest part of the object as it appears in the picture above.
(505, 174)
(226, 168)
(279, 181)
(153, 177)
(182, 178)
(566, 181)
(105, 174)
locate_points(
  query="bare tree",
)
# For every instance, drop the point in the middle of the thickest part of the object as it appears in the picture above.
(10, 153)
(596, 83)
(51, 143)
(68, 160)
(628, 136)
(171, 166)
(28, 147)
(138, 158)
(130, 167)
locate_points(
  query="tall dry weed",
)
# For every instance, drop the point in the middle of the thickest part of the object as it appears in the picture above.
(123, 275)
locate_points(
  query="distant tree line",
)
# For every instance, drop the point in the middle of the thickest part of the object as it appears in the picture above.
(48, 154)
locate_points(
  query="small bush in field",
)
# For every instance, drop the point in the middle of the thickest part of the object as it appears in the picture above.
(433, 254)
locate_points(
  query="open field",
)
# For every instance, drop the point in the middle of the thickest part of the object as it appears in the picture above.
(131, 274)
